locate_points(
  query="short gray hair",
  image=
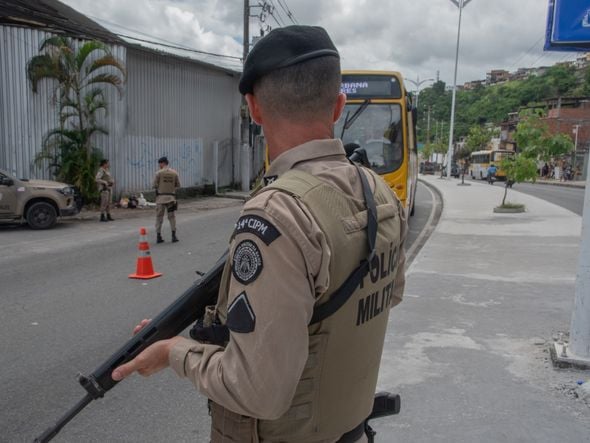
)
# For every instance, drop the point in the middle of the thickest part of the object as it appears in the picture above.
(301, 91)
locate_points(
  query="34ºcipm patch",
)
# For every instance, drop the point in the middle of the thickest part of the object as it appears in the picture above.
(258, 226)
(247, 262)
(240, 316)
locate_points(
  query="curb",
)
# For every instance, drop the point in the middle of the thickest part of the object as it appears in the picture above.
(429, 227)
(562, 184)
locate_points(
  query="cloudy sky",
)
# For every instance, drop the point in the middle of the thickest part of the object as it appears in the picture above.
(416, 37)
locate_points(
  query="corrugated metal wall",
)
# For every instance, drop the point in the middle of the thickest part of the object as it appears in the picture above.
(24, 117)
(171, 106)
(176, 108)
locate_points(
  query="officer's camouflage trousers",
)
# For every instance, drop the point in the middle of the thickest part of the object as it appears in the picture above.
(170, 208)
(227, 426)
(105, 201)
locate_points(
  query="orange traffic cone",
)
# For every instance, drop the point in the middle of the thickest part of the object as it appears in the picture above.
(145, 268)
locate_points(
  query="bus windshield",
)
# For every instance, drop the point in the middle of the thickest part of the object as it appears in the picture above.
(377, 129)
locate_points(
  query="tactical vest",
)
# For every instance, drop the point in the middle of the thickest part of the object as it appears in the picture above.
(335, 392)
(105, 175)
(166, 191)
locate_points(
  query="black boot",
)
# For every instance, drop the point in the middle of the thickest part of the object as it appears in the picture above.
(103, 218)
(159, 239)
(109, 218)
(174, 238)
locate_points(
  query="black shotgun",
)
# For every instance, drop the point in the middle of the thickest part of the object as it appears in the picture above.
(189, 307)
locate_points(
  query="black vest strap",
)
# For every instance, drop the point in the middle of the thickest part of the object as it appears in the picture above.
(343, 293)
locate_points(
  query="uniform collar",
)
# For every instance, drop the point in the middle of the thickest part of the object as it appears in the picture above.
(312, 150)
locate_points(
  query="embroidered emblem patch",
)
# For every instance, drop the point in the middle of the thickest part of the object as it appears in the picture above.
(258, 226)
(247, 262)
(240, 316)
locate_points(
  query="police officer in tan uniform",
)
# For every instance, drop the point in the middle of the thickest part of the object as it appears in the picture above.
(291, 351)
(166, 183)
(105, 183)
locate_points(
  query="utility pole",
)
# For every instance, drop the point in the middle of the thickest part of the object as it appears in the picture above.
(580, 325)
(244, 115)
(428, 126)
(576, 129)
(460, 4)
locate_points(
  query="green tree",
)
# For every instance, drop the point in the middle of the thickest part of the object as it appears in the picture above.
(518, 168)
(80, 71)
(427, 151)
(536, 141)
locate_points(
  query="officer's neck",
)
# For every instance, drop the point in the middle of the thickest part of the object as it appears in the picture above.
(282, 136)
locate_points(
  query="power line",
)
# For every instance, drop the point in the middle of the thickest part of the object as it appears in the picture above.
(285, 7)
(278, 18)
(526, 53)
(168, 43)
(178, 47)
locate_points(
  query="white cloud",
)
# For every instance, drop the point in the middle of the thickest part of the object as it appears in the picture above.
(416, 37)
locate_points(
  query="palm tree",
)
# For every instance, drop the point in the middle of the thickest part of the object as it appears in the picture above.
(80, 71)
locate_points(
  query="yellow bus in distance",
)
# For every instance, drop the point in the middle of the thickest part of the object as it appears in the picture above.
(481, 160)
(378, 117)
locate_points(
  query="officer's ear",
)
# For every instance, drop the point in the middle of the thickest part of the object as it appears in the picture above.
(254, 107)
(339, 107)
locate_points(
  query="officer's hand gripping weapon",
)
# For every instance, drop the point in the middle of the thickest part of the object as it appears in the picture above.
(170, 322)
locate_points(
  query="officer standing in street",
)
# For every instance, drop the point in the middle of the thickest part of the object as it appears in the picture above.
(166, 183)
(105, 182)
(291, 351)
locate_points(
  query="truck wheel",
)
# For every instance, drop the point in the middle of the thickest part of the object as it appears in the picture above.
(41, 215)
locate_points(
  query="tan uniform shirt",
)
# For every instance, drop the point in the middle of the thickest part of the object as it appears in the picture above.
(168, 188)
(104, 179)
(257, 373)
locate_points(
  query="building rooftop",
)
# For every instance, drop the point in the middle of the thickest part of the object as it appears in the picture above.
(55, 17)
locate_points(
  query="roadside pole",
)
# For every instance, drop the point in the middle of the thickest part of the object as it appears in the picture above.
(580, 327)
(576, 353)
(459, 4)
(245, 150)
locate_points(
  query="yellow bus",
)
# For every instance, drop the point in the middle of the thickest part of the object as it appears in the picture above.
(378, 117)
(481, 160)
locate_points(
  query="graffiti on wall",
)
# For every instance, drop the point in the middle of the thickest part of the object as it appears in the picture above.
(140, 160)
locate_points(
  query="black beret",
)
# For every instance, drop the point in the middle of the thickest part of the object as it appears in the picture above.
(163, 160)
(284, 47)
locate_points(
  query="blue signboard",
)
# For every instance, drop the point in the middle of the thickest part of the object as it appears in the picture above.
(568, 26)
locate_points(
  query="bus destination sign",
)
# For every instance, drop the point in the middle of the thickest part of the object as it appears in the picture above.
(370, 86)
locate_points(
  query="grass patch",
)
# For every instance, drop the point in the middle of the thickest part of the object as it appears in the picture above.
(509, 205)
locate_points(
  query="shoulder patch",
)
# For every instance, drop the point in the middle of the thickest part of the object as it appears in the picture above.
(240, 316)
(271, 178)
(246, 262)
(258, 226)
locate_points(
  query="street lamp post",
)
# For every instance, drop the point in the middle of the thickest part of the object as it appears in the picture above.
(459, 4)
(575, 131)
(417, 83)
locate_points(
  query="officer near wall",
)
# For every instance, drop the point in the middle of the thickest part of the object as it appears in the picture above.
(166, 183)
(105, 183)
(291, 351)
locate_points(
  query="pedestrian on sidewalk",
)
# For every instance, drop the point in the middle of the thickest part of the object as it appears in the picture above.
(278, 356)
(166, 183)
(105, 182)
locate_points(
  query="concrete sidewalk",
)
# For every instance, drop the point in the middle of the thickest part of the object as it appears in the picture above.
(467, 349)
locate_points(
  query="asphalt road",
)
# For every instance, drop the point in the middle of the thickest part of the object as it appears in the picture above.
(566, 197)
(67, 304)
